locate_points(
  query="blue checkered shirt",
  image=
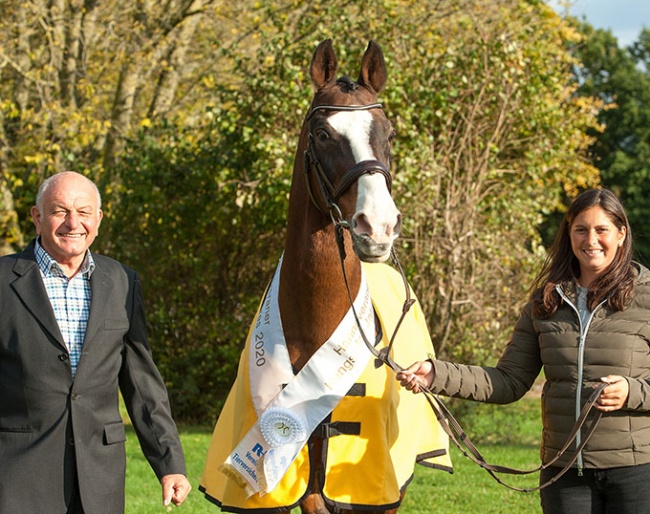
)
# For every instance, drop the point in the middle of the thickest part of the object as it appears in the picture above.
(70, 299)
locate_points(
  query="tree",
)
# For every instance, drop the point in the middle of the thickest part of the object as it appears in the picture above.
(620, 77)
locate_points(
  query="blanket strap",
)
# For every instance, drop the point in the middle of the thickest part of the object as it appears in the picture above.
(334, 428)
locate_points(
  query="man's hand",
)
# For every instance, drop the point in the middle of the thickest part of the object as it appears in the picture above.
(175, 489)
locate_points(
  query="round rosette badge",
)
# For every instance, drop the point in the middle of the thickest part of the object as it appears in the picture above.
(281, 426)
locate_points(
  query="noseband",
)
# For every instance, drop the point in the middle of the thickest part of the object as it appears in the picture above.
(330, 193)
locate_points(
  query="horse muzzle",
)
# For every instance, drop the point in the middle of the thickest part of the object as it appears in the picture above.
(369, 250)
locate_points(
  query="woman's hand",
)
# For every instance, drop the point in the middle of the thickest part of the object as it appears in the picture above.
(419, 373)
(614, 396)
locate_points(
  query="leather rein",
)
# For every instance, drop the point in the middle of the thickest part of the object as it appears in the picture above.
(447, 421)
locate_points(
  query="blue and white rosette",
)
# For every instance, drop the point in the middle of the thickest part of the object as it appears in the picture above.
(281, 426)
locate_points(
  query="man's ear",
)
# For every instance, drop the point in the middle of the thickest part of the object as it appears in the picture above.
(36, 218)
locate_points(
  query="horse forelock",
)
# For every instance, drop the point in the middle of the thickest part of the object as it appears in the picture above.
(344, 91)
(347, 84)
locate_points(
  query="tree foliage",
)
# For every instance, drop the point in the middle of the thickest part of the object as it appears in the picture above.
(188, 114)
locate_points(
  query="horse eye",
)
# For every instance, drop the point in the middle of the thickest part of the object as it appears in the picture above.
(322, 134)
(391, 138)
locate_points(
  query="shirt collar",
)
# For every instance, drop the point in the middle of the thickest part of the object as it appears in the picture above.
(48, 265)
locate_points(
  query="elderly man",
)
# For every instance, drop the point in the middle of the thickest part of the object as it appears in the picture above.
(72, 332)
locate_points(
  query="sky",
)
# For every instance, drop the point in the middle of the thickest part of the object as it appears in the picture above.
(625, 18)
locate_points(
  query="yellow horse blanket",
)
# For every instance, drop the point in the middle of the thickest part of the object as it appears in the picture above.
(396, 428)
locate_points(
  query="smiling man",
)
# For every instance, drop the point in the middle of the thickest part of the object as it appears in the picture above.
(72, 335)
(67, 216)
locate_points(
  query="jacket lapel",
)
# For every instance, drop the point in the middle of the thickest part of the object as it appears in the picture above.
(31, 290)
(101, 287)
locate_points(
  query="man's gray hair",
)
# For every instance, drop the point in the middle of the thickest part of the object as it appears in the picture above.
(50, 180)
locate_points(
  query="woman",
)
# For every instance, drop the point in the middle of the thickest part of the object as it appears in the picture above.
(587, 322)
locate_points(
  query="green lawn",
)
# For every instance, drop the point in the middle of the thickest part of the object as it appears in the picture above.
(506, 435)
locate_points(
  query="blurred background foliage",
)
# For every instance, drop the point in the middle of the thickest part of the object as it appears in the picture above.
(187, 114)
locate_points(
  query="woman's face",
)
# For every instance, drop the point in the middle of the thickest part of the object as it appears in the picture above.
(595, 241)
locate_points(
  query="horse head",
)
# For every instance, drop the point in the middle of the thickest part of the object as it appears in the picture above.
(347, 139)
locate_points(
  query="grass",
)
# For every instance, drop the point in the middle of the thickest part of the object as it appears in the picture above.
(471, 490)
(143, 492)
(506, 435)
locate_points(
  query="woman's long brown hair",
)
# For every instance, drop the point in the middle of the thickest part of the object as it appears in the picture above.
(561, 266)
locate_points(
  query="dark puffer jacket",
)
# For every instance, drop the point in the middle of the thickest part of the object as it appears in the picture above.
(616, 343)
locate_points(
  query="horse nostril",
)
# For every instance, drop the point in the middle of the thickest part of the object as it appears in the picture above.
(361, 225)
(397, 229)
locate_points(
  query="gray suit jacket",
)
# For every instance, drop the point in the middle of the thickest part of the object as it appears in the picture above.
(53, 427)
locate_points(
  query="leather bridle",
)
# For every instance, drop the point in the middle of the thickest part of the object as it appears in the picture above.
(330, 193)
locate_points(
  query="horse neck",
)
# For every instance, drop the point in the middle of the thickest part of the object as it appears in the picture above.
(313, 297)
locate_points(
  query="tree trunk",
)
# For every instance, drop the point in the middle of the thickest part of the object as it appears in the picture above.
(175, 61)
(122, 113)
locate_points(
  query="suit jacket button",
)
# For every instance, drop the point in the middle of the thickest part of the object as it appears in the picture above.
(75, 396)
(63, 357)
(71, 441)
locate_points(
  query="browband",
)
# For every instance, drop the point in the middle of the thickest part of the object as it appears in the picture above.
(342, 108)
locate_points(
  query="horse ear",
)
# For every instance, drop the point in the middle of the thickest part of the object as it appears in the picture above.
(373, 68)
(323, 65)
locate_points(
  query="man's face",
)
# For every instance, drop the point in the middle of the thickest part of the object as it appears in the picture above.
(70, 219)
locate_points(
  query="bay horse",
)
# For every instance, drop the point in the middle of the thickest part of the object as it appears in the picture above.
(312, 297)
(340, 192)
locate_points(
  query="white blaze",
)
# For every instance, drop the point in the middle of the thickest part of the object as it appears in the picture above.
(376, 216)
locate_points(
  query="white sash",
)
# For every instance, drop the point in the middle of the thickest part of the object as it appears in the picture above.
(287, 416)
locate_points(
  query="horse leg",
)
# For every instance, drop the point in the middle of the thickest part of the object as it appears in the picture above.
(314, 503)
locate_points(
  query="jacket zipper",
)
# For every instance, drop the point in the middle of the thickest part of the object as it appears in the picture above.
(581, 359)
